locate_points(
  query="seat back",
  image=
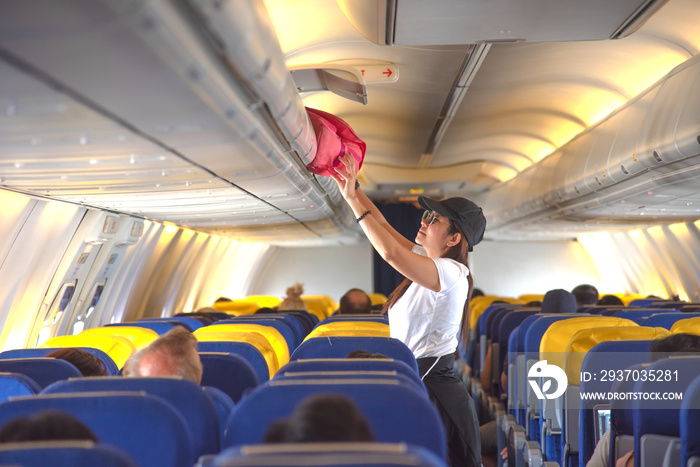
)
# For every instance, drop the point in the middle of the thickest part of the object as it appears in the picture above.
(43, 371)
(224, 407)
(17, 384)
(340, 347)
(118, 348)
(351, 364)
(263, 346)
(112, 369)
(246, 350)
(667, 320)
(359, 317)
(188, 322)
(597, 361)
(188, 398)
(322, 306)
(231, 373)
(288, 326)
(63, 454)
(383, 404)
(268, 332)
(640, 316)
(690, 326)
(328, 454)
(690, 422)
(159, 328)
(662, 417)
(146, 428)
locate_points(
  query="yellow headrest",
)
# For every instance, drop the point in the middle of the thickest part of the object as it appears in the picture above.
(358, 327)
(531, 297)
(140, 337)
(263, 300)
(118, 348)
(626, 298)
(255, 339)
(689, 326)
(480, 303)
(237, 308)
(585, 339)
(322, 306)
(378, 298)
(277, 341)
(557, 337)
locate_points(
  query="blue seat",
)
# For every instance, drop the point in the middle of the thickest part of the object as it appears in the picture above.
(191, 324)
(667, 320)
(17, 384)
(230, 373)
(112, 367)
(350, 364)
(243, 349)
(690, 422)
(384, 405)
(188, 398)
(410, 381)
(159, 327)
(640, 316)
(309, 320)
(340, 347)
(63, 454)
(224, 407)
(43, 371)
(146, 428)
(327, 455)
(500, 339)
(597, 360)
(656, 418)
(621, 416)
(359, 317)
(283, 328)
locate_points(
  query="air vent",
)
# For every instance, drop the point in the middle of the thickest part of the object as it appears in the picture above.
(657, 156)
(624, 169)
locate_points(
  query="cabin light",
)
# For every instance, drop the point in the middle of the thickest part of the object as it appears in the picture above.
(163, 158)
(17, 165)
(165, 173)
(188, 183)
(416, 191)
(92, 161)
(650, 192)
(132, 159)
(83, 140)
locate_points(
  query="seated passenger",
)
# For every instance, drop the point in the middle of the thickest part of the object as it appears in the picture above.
(365, 354)
(172, 354)
(609, 300)
(87, 363)
(355, 302)
(585, 294)
(321, 418)
(293, 301)
(44, 426)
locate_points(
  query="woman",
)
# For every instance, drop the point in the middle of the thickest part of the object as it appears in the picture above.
(426, 310)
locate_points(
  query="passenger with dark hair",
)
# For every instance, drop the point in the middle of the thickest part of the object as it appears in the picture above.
(355, 302)
(429, 309)
(87, 363)
(266, 310)
(558, 301)
(585, 294)
(44, 426)
(321, 418)
(610, 300)
(172, 354)
(222, 300)
(365, 354)
(477, 292)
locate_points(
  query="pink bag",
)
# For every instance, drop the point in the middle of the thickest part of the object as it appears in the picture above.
(334, 137)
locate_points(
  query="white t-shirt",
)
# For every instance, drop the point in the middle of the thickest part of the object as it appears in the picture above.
(428, 322)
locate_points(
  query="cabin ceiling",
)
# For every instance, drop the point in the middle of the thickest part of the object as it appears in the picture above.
(103, 103)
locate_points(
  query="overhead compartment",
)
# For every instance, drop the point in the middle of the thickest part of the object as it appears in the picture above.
(418, 22)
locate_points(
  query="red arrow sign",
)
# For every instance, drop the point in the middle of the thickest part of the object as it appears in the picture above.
(388, 73)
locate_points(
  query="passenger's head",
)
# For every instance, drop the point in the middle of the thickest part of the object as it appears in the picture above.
(44, 426)
(355, 301)
(533, 303)
(321, 418)
(675, 343)
(266, 310)
(87, 363)
(585, 294)
(477, 293)
(558, 301)
(451, 227)
(610, 300)
(172, 354)
(365, 354)
(222, 300)
(293, 300)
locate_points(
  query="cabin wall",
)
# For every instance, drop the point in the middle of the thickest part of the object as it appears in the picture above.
(323, 270)
(511, 269)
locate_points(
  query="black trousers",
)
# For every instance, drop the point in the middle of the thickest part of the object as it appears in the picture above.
(456, 408)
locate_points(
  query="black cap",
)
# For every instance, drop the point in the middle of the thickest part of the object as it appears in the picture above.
(468, 216)
(558, 301)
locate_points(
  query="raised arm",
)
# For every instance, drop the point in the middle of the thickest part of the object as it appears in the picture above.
(395, 251)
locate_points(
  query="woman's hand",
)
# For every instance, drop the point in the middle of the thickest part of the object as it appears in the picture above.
(346, 175)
